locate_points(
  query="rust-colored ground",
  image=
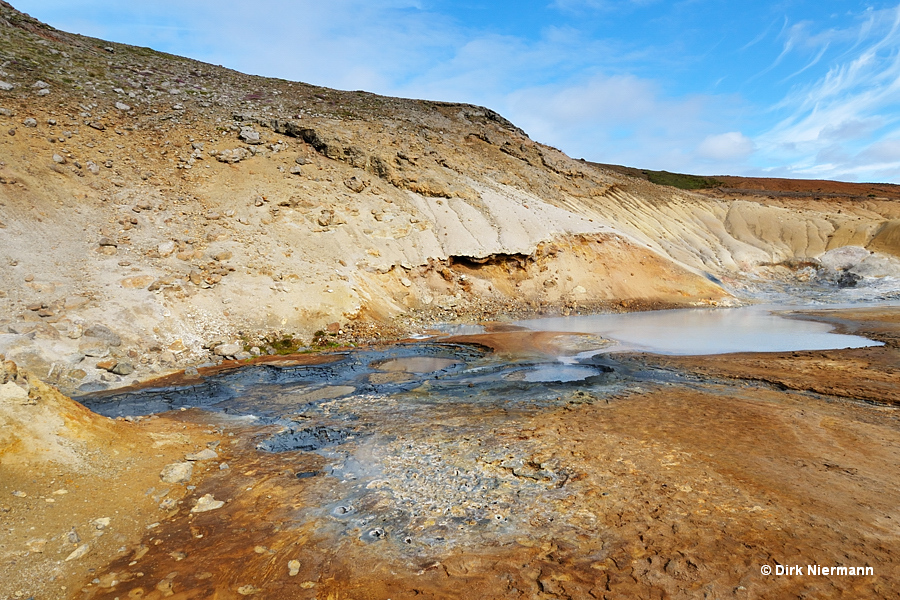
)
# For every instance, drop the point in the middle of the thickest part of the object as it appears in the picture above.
(812, 187)
(869, 374)
(673, 493)
(680, 490)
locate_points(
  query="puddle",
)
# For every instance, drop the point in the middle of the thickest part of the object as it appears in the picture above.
(705, 331)
(416, 364)
(555, 373)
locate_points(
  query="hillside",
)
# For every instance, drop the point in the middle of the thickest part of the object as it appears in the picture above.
(158, 213)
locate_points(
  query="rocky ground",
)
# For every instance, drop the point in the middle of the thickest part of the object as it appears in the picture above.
(648, 489)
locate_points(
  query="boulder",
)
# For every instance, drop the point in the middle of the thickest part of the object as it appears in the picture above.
(205, 454)
(356, 184)
(179, 472)
(104, 333)
(207, 503)
(250, 136)
(123, 368)
(227, 349)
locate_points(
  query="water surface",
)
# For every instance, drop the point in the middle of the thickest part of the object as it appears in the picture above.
(697, 331)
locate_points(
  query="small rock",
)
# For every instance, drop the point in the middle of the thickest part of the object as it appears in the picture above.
(293, 568)
(179, 472)
(221, 256)
(30, 122)
(250, 135)
(227, 349)
(101, 523)
(356, 184)
(104, 333)
(43, 92)
(122, 106)
(223, 466)
(108, 364)
(301, 160)
(95, 349)
(205, 454)
(79, 552)
(325, 218)
(166, 248)
(19, 494)
(248, 590)
(59, 159)
(40, 85)
(232, 156)
(5, 86)
(105, 241)
(36, 545)
(207, 503)
(10, 392)
(123, 368)
(97, 125)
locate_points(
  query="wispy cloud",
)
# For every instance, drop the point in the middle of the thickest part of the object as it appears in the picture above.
(762, 35)
(855, 103)
(602, 5)
(808, 65)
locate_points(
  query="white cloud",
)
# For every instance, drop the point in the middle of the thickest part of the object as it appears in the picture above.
(851, 129)
(726, 146)
(621, 119)
(885, 151)
(832, 126)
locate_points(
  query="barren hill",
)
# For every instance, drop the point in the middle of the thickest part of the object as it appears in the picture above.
(157, 212)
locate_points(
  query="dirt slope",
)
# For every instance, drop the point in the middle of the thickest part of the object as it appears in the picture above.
(157, 212)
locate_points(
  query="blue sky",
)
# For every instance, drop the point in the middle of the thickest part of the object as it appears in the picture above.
(795, 88)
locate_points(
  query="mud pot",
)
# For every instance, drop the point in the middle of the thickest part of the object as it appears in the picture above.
(512, 463)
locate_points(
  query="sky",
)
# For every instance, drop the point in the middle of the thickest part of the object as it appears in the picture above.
(795, 88)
